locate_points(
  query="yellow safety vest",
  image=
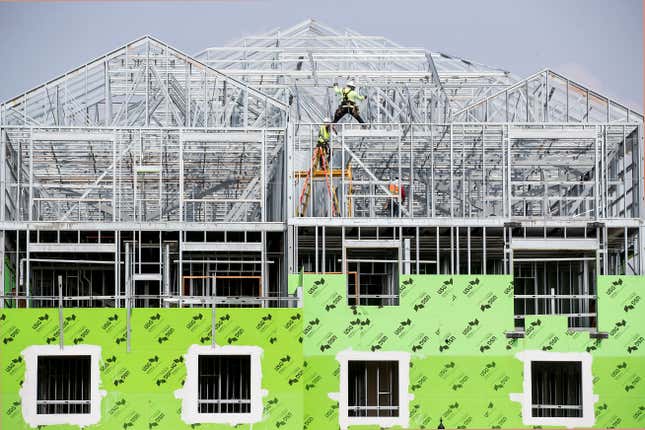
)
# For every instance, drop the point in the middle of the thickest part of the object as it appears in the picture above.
(323, 134)
(349, 96)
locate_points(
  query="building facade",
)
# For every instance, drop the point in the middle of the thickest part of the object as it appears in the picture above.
(175, 255)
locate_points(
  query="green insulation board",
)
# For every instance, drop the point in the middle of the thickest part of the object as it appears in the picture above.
(463, 366)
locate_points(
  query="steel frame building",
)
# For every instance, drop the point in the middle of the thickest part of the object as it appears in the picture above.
(148, 177)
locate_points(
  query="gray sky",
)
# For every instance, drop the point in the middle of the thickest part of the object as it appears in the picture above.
(596, 42)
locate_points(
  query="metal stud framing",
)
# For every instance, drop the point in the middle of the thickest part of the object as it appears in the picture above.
(147, 176)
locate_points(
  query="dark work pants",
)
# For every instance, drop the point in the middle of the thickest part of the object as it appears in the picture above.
(344, 110)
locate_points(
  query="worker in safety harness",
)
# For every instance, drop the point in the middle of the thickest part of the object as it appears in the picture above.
(397, 198)
(324, 136)
(348, 102)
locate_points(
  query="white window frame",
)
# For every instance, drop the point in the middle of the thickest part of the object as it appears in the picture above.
(588, 397)
(190, 392)
(403, 358)
(29, 390)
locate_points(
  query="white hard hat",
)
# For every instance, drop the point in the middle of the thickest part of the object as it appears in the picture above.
(327, 119)
(350, 83)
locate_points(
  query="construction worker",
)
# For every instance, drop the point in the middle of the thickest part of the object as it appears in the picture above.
(324, 136)
(398, 198)
(349, 98)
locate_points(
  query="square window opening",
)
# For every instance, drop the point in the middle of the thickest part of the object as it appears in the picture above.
(565, 288)
(556, 389)
(224, 385)
(63, 385)
(373, 389)
(373, 277)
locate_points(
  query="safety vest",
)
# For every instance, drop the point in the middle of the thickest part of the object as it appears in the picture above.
(396, 191)
(323, 134)
(347, 97)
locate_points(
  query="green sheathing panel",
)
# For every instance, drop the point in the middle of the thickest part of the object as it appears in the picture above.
(454, 328)
(463, 368)
(140, 384)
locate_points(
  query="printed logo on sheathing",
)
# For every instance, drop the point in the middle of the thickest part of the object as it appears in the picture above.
(509, 291)
(308, 422)
(419, 417)
(620, 310)
(327, 343)
(264, 323)
(109, 363)
(489, 371)
(421, 302)
(230, 334)
(355, 326)
(155, 329)
(631, 303)
(170, 373)
(379, 342)
(447, 370)
(612, 418)
(489, 343)
(10, 335)
(150, 364)
(446, 341)
(156, 420)
(421, 344)
(544, 332)
(418, 382)
(446, 291)
(16, 367)
(120, 376)
(495, 376)
(198, 322)
(93, 326)
(43, 322)
(294, 323)
(271, 404)
(492, 414)
(283, 364)
(311, 327)
(407, 287)
(114, 321)
(294, 377)
(20, 328)
(513, 344)
(450, 411)
(315, 287)
(619, 329)
(13, 410)
(635, 345)
(638, 413)
(473, 286)
(118, 406)
(131, 420)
